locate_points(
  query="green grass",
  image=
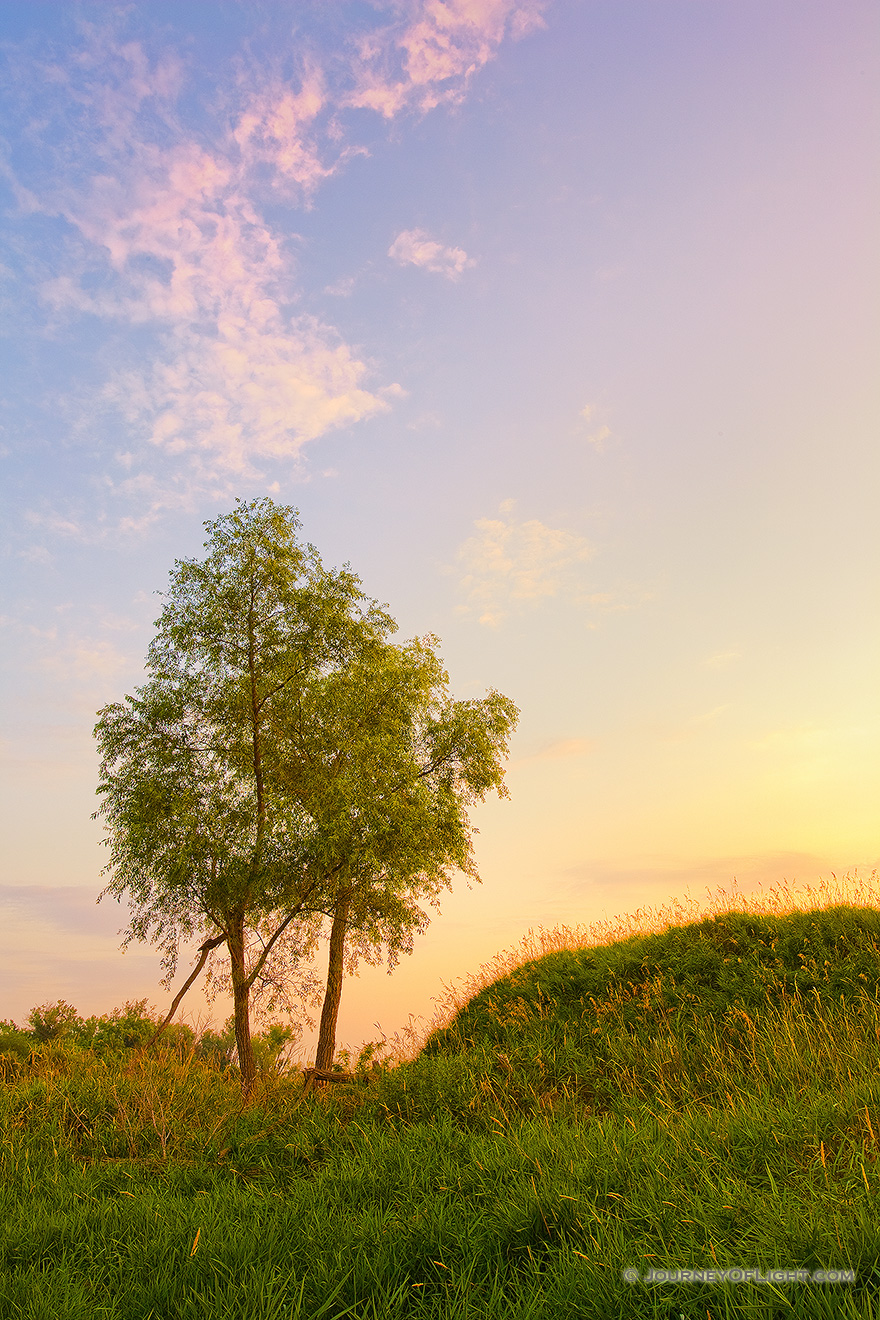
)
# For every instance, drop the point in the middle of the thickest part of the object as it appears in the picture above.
(707, 1096)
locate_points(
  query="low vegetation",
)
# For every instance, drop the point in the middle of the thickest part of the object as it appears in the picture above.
(698, 1094)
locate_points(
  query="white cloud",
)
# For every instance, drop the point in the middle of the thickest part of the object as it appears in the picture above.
(414, 247)
(75, 657)
(341, 288)
(426, 421)
(508, 564)
(394, 391)
(37, 554)
(88, 659)
(58, 525)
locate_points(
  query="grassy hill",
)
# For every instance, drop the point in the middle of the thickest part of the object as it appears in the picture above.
(680, 1003)
(701, 1097)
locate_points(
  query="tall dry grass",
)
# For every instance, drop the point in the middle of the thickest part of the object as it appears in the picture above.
(780, 900)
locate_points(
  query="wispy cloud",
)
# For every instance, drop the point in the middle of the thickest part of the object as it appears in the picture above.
(279, 128)
(55, 942)
(721, 659)
(76, 657)
(236, 377)
(709, 716)
(596, 434)
(562, 749)
(87, 660)
(508, 564)
(414, 247)
(431, 57)
(169, 230)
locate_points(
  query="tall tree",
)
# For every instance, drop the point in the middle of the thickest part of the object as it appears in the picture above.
(209, 833)
(401, 763)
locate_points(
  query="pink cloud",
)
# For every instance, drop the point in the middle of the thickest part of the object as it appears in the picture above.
(277, 128)
(237, 376)
(446, 42)
(248, 392)
(413, 247)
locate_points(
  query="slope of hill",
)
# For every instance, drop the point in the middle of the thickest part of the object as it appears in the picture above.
(587, 1125)
(573, 1006)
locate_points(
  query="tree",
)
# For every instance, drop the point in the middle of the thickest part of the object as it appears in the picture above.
(205, 834)
(53, 1021)
(284, 764)
(401, 763)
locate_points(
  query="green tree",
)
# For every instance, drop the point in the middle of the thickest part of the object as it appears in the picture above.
(401, 763)
(53, 1021)
(286, 764)
(205, 833)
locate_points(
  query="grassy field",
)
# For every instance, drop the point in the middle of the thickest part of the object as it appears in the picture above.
(685, 1095)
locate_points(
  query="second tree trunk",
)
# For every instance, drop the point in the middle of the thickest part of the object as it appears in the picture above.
(335, 971)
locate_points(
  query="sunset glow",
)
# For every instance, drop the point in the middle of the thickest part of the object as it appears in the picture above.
(557, 321)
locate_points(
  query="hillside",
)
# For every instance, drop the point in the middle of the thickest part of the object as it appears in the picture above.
(702, 1097)
(568, 1011)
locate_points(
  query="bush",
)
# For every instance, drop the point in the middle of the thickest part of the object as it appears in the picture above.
(52, 1021)
(15, 1049)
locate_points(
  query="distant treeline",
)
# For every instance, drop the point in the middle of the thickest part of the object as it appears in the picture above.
(130, 1028)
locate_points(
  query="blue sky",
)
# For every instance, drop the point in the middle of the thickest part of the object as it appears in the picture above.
(557, 321)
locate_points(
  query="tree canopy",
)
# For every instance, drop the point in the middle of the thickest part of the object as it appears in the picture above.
(285, 763)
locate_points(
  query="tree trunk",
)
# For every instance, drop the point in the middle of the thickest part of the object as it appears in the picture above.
(240, 999)
(330, 1011)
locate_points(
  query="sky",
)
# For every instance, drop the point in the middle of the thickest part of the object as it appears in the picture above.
(558, 321)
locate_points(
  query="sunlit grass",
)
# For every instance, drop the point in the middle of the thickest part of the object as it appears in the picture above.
(664, 1095)
(782, 899)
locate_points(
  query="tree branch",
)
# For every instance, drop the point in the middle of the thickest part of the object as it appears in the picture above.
(278, 686)
(204, 949)
(267, 948)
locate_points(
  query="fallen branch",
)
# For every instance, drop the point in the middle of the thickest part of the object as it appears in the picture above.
(320, 1076)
